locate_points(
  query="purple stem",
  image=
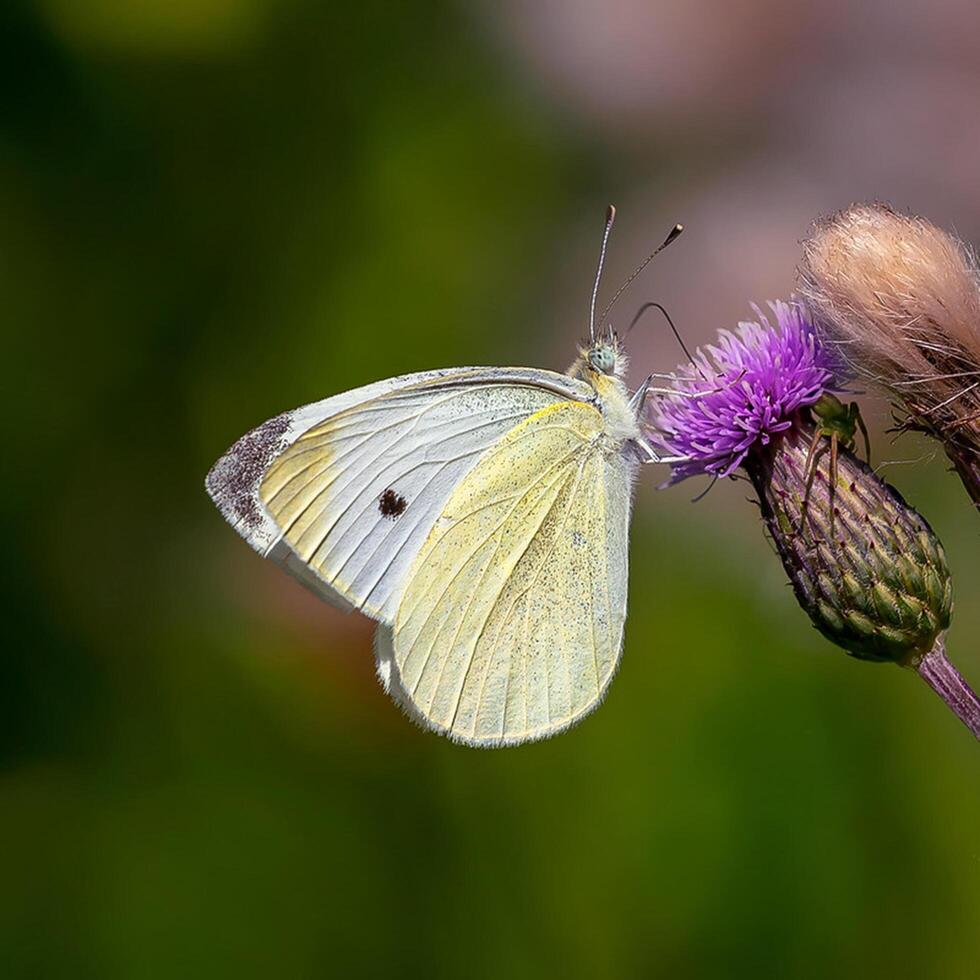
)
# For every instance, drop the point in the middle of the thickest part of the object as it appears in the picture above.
(936, 670)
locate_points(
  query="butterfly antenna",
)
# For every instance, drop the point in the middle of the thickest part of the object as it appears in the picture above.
(674, 232)
(673, 330)
(610, 218)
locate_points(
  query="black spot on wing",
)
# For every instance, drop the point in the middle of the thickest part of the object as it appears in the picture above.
(391, 504)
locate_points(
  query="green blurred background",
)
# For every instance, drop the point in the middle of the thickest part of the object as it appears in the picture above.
(214, 210)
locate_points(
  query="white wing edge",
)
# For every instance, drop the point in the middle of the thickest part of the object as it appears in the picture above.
(233, 482)
(390, 678)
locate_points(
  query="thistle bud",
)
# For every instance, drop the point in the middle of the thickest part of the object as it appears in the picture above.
(866, 568)
(899, 300)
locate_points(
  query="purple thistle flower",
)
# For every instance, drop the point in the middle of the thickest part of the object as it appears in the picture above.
(749, 385)
(865, 566)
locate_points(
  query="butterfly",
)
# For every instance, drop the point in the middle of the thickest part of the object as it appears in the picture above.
(480, 515)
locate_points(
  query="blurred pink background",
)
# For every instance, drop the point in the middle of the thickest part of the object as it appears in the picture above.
(765, 115)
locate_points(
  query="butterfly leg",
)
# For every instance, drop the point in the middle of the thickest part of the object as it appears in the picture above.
(638, 399)
(698, 395)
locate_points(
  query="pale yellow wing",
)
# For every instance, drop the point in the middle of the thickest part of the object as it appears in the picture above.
(344, 492)
(511, 623)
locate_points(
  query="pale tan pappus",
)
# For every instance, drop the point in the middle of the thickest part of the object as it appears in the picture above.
(899, 298)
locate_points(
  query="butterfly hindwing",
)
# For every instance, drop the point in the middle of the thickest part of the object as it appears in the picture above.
(510, 625)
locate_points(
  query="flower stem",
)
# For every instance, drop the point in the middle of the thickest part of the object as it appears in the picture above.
(937, 671)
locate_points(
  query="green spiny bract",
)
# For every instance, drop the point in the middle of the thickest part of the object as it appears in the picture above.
(865, 566)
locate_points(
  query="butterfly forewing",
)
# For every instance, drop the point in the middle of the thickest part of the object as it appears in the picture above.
(345, 492)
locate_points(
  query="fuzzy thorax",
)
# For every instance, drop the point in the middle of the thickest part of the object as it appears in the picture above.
(603, 365)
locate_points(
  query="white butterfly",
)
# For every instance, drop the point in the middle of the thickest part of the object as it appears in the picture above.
(481, 515)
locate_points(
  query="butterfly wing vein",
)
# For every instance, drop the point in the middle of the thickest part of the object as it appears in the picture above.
(324, 491)
(511, 624)
(499, 578)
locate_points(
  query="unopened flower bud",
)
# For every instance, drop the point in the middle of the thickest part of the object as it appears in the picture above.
(865, 566)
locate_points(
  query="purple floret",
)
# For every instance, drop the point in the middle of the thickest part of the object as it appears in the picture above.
(755, 378)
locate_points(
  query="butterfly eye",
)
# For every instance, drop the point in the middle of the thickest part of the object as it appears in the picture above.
(603, 359)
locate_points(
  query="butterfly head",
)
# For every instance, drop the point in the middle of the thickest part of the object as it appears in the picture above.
(603, 356)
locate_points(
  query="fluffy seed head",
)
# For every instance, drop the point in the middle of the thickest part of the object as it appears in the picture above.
(899, 300)
(748, 387)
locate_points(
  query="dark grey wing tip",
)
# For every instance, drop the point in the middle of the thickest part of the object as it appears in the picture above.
(233, 482)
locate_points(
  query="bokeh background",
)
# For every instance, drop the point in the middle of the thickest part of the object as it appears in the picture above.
(213, 210)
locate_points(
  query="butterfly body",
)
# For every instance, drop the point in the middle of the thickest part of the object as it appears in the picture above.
(480, 515)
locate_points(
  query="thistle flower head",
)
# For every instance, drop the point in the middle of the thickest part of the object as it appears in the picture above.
(748, 387)
(865, 567)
